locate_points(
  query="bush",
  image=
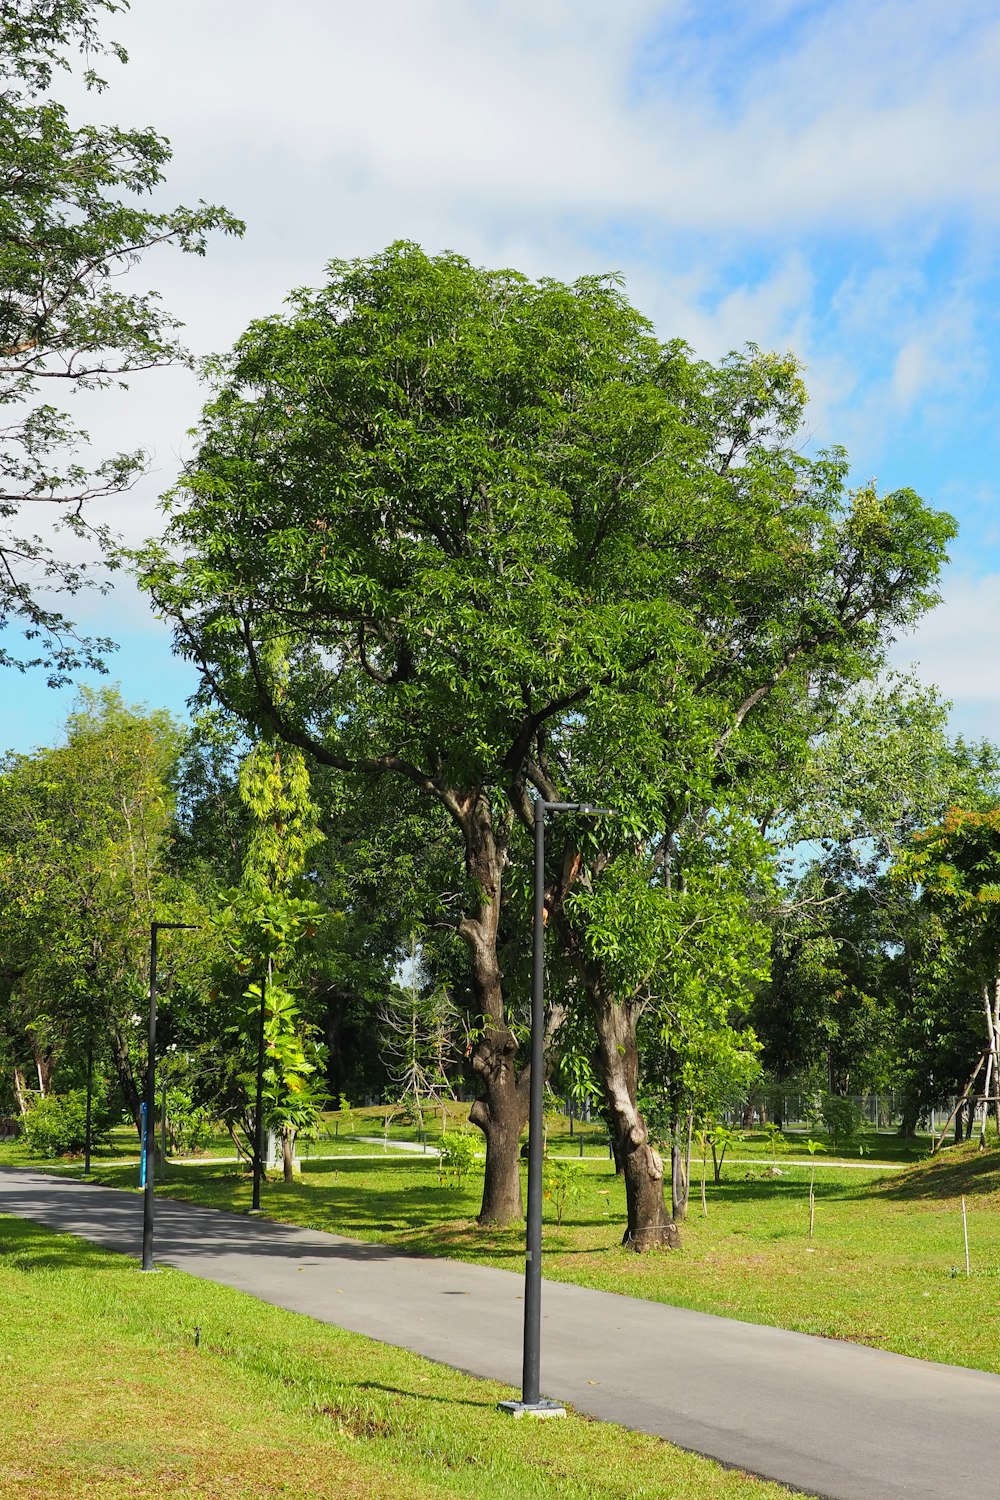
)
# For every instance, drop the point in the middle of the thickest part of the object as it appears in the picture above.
(189, 1126)
(562, 1184)
(57, 1124)
(844, 1121)
(458, 1156)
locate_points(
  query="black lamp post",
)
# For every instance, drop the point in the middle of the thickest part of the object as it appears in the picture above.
(531, 1403)
(149, 1125)
(90, 1094)
(258, 1124)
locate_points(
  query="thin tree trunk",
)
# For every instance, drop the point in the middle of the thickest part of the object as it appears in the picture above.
(126, 1078)
(44, 1067)
(288, 1153)
(991, 1038)
(680, 1170)
(21, 1091)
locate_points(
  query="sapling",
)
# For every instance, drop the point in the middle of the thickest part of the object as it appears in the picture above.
(812, 1147)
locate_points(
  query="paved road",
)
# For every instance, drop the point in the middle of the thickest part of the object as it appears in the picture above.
(830, 1418)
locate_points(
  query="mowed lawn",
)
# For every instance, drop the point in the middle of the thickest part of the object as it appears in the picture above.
(117, 1385)
(885, 1266)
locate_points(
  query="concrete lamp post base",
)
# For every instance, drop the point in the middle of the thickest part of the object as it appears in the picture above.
(532, 1409)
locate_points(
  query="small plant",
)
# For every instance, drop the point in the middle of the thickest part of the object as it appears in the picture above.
(456, 1158)
(562, 1184)
(812, 1147)
(774, 1137)
(343, 1120)
(720, 1138)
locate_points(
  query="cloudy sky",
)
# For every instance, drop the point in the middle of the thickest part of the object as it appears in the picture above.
(820, 175)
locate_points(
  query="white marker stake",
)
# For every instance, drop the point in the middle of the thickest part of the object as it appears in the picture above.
(965, 1231)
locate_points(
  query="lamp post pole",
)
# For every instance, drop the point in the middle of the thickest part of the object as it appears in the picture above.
(149, 1124)
(531, 1403)
(258, 1123)
(90, 1093)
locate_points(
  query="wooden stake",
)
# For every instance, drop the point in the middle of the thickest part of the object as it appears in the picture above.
(962, 1098)
(812, 1202)
(965, 1231)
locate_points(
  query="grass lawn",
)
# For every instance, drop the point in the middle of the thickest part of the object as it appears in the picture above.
(120, 1385)
(885, 1267)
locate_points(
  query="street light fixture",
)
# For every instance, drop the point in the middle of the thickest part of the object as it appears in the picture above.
(149, 1123)
(531, 1403)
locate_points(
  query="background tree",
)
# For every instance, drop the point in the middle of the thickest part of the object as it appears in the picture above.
(84, 830)
(419, 1033)
(70, 224)
(956, 869)
(260, 927)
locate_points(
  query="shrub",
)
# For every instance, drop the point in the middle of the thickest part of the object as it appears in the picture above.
(57, 1124)
(189, 1125)
(844, 1121)
(562, 1184)
(457, 1156)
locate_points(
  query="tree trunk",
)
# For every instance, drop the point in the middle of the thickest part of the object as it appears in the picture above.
(680, 1165)
(909, 1120)
(21, 1091)
(126, 1078)
(44, 1067)
(288, 1153)
(649, 1226)
(501, 1111)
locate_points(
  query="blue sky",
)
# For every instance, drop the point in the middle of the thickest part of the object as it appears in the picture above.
(823, 177)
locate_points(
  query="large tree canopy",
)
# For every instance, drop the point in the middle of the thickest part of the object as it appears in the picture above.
(71, 222)
(511, 544)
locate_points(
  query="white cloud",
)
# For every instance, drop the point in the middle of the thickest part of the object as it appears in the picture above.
(956, 647)
(711, 153)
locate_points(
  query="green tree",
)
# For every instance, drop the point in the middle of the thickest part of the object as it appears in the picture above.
(71, 223)
(84, 830)
(261, 926)
(955, 867)
(514, 546)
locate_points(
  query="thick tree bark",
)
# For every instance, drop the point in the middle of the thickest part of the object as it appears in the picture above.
(649, 1226)
(501, 1111)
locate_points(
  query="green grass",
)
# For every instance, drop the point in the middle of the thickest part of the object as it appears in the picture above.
(879, 1269)
(107, 1395)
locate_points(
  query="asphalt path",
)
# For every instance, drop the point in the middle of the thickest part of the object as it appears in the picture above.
(831, 1418)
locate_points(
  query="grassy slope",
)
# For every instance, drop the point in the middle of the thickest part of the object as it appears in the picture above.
(106, 1396)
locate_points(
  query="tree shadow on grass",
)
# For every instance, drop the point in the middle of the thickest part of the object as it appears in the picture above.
(956, 1172)
(25, 1246)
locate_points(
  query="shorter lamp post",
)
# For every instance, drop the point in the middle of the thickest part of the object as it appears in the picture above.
(90, 1095)
(149, 1122)
(531, 1403)
(258, 1123)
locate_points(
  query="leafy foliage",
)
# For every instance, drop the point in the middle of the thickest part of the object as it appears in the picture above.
(511, 545)
(70, 226)
(56, 1124)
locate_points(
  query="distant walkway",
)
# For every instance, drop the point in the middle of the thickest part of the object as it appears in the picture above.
(831, 1418)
